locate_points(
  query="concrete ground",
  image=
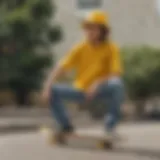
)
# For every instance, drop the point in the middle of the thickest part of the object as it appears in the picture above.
(141, 143)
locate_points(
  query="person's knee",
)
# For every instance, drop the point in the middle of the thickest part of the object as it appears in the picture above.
(55, 96)
(54, 91)
(115, 83)
(117, 91)
(116, 88)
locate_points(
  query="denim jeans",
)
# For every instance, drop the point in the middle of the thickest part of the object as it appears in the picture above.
(112, 91)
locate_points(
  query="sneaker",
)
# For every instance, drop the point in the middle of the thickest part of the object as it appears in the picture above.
(67, 129)
(60, 137)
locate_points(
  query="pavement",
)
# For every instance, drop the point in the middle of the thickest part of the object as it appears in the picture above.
(142, 143)
(20, 124)
(23, 120)
(25, 137)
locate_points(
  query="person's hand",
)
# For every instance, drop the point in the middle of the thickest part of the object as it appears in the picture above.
(45, 95)
(90, 93)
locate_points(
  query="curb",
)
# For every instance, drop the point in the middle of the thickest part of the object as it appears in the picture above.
(18, 129)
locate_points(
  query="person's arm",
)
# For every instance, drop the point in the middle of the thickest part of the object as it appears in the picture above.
(66, 64)
(115, 67)
(55, 73)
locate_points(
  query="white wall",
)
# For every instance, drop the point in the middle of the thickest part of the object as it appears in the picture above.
(133, 22)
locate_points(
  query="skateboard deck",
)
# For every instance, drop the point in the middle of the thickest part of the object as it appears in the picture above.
(83, 140)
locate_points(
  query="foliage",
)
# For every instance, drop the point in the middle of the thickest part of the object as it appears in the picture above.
(26, 36)
(142, 71)
(141, 77)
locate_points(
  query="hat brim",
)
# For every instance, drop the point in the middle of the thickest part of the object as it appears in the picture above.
(86, 24)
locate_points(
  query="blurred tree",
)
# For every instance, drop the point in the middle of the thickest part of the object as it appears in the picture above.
(26, 36)
(142, 74)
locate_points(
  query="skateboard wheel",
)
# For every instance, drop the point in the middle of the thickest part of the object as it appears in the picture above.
(58, 139)
(52, 139)
(105, 145)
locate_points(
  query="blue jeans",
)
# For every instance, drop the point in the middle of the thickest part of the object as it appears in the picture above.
(112, 91)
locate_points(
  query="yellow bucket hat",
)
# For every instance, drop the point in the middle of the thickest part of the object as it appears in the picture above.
(96, 17)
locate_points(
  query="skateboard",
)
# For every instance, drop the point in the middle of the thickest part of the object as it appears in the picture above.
(98, 142)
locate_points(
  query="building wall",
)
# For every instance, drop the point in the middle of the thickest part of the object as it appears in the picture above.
(133, 22)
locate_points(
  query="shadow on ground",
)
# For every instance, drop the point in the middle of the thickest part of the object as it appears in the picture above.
(154, 155)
